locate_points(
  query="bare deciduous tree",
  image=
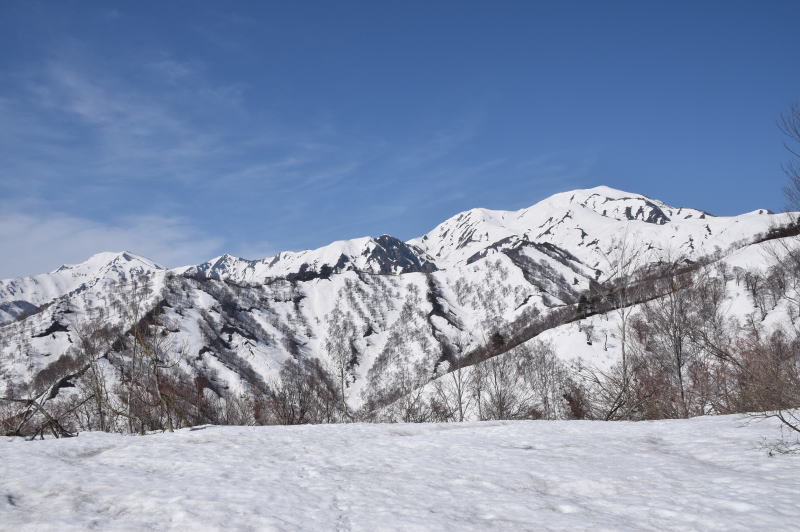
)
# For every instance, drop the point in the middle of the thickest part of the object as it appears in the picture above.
(340, 346)
(624, 258)
(452, 389)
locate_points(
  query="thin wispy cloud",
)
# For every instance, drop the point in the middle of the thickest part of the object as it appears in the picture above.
(111, 150)
(183, 130)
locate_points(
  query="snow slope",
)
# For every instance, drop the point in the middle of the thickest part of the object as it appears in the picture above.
(708, 473)
(26, 293)
(382, 255)
(588, 222)
(395, 305)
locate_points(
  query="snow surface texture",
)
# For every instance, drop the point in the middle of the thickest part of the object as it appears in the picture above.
(395, 304)
(710, 473)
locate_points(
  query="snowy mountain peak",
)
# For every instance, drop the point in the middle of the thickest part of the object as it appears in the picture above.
(108, 259)
(382, 255)
(617, 204)
(587, 222)
(18, 296)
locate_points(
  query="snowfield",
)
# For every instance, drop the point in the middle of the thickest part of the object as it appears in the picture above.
(710, 473)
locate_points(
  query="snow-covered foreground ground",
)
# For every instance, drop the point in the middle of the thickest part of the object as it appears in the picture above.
(706, 473)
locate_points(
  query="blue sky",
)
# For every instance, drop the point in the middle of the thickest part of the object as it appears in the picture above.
(182, 130)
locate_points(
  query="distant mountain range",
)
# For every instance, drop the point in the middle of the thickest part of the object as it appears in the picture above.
(392, 303)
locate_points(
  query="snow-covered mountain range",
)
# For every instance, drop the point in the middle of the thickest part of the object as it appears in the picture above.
(390, 304)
